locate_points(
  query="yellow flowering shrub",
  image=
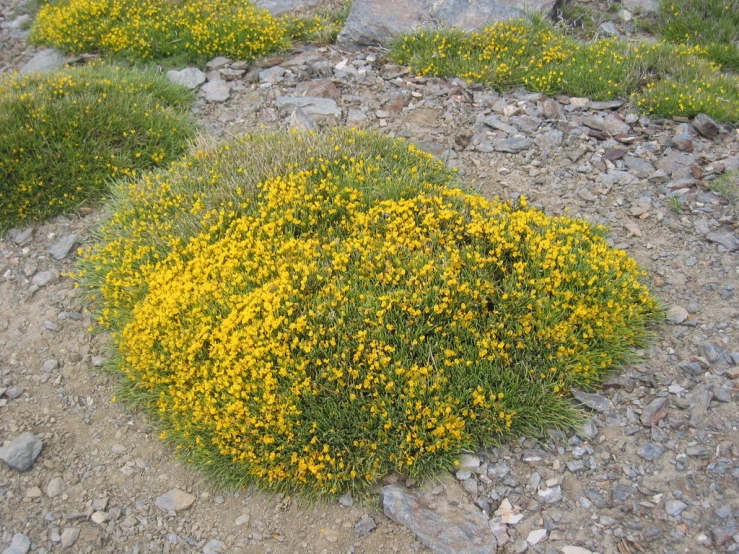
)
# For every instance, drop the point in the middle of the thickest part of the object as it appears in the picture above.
(151, 29)
(534, 54)
(316, 311)
(64, 135)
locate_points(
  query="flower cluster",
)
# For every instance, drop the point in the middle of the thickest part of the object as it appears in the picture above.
(536, 55)
(64, 135)
(317, 311)
(150, 29)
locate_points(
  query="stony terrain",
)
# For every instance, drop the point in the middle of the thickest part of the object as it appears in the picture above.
(656, 469)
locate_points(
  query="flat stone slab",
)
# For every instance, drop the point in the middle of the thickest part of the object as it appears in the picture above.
(446, 523)
(190, 77)
(374, 22)
(174, 501)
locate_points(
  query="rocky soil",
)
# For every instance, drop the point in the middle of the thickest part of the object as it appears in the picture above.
(655, 469)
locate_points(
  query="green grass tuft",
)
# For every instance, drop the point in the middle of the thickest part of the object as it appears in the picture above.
(313, 312)
(664, 79)
(65, 135)
(727, 185)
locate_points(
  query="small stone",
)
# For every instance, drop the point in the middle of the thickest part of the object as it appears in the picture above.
(217, 90)
(511, 145)
(655, 411)
(469, 461)
(243, 519)
(21, 453)
(595, 402)
(43, 278)
(190, 77)
(33, 492)
(589, 429)
(706, 126)
(217, 62)
(63, 247)
(520, 546)
(550, 495)
(100, 517)
(674, 507)
(272, 75)
(677, 314)
(49, 365)
(463, 474)
(364, 526)
(609, 28)
(20, 544)
(650, 451)
(579, 102)
(683, 142)
(16, 391)
(69, 536)
(535, 537)
(309, 104)
(624, 15)
(174, 501)
(99, 361)
(214, 546)
(356, 118)
(346, 500)
(55, 487)
(24, 237)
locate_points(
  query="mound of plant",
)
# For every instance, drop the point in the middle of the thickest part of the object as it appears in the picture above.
(186, 30)
(313, 312)
(64, 135)
(663, 79)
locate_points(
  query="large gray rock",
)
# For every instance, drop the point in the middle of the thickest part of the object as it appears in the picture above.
(280, 7)
(190, 77)
(373, 22)
(20, 544)
(446, 523)
(46, 60)
(21, 452)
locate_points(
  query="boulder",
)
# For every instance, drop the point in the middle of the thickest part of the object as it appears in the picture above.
(281, 7)
(45, 60)
(374, 22)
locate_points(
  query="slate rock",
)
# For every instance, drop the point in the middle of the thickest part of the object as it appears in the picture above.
(174, 501)
(16, 391)
(511, 145)
(595, 402)
(63, 247)
(650, 451)
(302, 121)
(443, 527)
(574, 550)
(20, 544)
(217, 90)
(69, 537)
(706, 126)
(190, 77)
(655, 411)
(641, 6)
(674, 507)
(55, 487)
(364, 526)
(318, 88)
(214, 546)
(45, 60)
(21, 453)
(310, 105)
(272, 75)
(727, 240)
(43, 278)
(374, 22)
(22, 238)
(551, 495)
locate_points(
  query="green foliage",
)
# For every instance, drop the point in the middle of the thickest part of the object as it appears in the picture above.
(711, 24)
(662, 78)
(316, 311)
(727, 185)
(64, 135)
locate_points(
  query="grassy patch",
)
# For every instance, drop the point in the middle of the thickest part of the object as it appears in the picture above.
(316, 311)
(662, 78)
(64, 135)
(712, 24)
(727, 185)
(188, 30)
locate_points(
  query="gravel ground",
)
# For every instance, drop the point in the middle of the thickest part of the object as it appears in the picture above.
(656, 469)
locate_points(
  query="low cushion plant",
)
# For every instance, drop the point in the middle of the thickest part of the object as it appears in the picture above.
(64, 135)
(185, 30)
(313, 312)
(662, 78)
